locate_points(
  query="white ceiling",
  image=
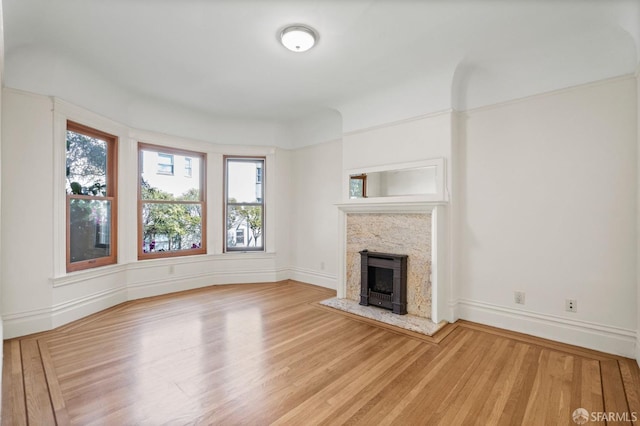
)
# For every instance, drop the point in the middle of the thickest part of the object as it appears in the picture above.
(223, 58)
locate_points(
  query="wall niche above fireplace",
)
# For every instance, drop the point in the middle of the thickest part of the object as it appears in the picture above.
(416, 180)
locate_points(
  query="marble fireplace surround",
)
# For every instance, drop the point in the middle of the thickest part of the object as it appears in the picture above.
(394, 233)
(416, 228)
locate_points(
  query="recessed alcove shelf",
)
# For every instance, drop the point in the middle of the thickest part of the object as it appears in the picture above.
(419, 181)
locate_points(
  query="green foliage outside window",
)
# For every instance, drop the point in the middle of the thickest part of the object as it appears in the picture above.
(170, 226)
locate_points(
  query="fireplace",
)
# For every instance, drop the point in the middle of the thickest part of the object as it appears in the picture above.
(384, 281)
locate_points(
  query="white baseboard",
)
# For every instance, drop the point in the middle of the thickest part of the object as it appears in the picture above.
(28, 322)
(34, 321)
(313, 277)
(75, 309)
(604, 338)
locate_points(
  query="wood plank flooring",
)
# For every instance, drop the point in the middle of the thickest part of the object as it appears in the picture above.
(258, 354)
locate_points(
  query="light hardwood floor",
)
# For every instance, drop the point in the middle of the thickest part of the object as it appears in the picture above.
(269, 354)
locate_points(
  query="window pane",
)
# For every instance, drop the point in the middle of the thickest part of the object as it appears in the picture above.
(244, 181)
(244, 227)
(167, 185)
(171, 227)
(86, 165)
(90, 229)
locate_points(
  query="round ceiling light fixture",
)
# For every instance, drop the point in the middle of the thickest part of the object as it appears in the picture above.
(298, 38)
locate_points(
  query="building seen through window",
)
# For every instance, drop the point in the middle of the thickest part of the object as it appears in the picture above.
(165, 164)
(244, 203)
(171, 205)
(91, 197)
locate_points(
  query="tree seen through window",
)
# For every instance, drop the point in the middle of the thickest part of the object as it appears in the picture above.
(91, 197)
(171, 212)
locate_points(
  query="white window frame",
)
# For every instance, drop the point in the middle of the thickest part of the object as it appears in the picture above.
(63, 112)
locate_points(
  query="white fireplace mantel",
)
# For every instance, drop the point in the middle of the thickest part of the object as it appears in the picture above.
(440, 309)
(406, 204)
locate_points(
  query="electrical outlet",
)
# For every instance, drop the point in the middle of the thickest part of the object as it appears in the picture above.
(571, 305)
(518, 297)
(172, 269)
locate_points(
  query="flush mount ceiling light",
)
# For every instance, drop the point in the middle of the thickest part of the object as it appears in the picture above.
(298, 38)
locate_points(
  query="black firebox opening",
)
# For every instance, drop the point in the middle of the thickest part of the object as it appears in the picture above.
(380, 280)
(384, 281)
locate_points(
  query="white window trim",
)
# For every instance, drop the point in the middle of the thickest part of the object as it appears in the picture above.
(63, 112)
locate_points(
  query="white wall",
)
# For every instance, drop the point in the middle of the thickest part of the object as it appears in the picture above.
(316, 173)
(282, 209)
(546, 203)
(415, 139)
(27, 226)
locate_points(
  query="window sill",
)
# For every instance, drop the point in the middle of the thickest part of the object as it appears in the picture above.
(252, 253)
(199, 258)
